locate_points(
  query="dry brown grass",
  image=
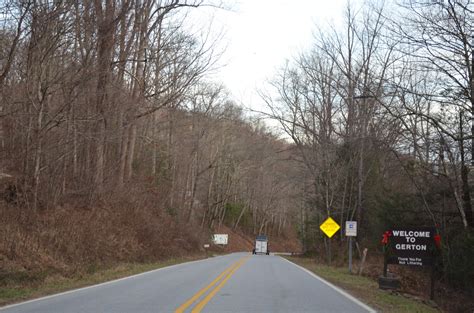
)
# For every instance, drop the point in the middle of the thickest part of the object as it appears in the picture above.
(70, 238)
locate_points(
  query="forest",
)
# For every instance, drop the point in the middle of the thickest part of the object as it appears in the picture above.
(117, 145)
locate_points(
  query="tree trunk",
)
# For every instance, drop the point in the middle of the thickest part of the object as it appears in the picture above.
(466, 196)
(132, 139)
(154, 145)
(105, 38)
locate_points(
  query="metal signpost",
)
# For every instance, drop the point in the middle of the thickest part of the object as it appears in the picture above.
(351, 231)
(206, 248)
(329, 227)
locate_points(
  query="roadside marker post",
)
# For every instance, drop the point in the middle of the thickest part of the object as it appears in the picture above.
(206, 248)
(351, 231)
(350, 255)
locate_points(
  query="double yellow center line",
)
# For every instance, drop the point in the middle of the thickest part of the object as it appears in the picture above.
(223, 278)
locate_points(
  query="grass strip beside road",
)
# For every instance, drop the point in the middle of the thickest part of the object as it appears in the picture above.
(365, 289)
(52, 283)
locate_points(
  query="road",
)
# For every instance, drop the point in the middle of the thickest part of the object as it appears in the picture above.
(238, 282)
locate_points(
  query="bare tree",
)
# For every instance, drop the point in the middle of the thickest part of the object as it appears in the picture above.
(436, 35)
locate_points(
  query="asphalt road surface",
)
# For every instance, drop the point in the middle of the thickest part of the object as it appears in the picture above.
(239, 282)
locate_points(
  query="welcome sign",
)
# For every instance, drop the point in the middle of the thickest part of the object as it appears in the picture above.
(412, 246)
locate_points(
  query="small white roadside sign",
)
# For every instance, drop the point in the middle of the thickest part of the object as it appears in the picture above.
(351, 228)
(220, 239)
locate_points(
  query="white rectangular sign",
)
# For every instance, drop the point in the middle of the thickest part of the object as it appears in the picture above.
(220, 239)
(351, 229)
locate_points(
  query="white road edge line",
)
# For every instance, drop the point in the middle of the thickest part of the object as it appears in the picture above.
(342, 292)
(104, 283)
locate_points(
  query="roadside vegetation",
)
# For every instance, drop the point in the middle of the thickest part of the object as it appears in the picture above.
(26, 285)
(367, 290)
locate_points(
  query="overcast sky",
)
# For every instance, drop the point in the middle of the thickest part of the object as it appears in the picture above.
(260, 35)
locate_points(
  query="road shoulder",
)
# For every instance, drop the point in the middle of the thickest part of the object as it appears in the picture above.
(363, 288)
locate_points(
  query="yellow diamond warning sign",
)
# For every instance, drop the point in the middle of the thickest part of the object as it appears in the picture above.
(329, 227)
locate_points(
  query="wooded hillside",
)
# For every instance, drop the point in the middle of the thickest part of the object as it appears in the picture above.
(115, 146)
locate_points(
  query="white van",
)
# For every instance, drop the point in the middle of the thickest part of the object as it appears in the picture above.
(261, 245)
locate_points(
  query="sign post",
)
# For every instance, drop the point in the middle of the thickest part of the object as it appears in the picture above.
(206, 248)
(412, 247)
(351, 231)
(329, 227)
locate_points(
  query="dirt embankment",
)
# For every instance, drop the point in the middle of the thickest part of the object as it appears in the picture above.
(69, 240)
